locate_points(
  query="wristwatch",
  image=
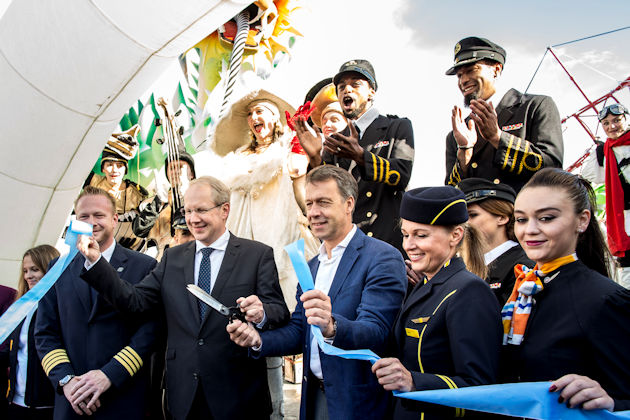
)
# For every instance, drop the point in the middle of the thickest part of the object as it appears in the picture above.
(63, 382)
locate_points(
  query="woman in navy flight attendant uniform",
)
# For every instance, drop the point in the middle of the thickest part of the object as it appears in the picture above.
(491, 211)
(30, 394)
(448, 332)
(575, 324)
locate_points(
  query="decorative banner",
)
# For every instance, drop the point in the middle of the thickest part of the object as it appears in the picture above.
(20, 308)
(526, 399)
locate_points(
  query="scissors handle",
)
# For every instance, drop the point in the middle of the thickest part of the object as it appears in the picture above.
(235, 313)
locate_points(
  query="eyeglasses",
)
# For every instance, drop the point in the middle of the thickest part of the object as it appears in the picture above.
(615, 109)
(200, 211)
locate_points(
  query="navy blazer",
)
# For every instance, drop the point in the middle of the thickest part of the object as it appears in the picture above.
(366, 293)
(38, 392)
(448, 335)
(77, 330)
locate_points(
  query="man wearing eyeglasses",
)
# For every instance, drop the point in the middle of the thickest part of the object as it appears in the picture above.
(506, 138)
(207, 376)
(610, 164)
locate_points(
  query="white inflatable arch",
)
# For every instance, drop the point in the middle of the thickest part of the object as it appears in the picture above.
(69, 69)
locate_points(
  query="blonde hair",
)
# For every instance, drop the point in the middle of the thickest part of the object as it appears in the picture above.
(220, 192)
(472, 247)
(41, 255)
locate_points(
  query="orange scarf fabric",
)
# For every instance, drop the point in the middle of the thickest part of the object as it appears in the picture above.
(518, 307)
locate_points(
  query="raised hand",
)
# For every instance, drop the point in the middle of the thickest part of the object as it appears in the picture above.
(318, 311)
(88, 246)
(310, 140)
(345, 146)
(485, 116)
(252, 307)
(465, 134)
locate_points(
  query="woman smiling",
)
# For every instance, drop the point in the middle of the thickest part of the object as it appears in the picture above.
(448, 332)
(565, 319)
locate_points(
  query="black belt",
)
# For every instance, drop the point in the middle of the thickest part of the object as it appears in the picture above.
(319, 382)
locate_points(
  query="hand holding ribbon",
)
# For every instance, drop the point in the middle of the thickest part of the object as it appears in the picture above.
(20, 308)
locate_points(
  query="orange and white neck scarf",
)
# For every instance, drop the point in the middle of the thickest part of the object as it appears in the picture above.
(529, 281)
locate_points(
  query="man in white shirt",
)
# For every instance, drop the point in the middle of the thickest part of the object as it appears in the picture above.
(359, 286)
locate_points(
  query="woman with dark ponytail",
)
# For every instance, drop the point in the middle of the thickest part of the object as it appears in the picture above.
(565, 320)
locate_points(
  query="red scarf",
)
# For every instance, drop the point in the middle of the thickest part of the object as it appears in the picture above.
(618, 239)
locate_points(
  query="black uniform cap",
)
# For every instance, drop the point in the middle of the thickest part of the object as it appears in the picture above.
(478, 189)
(473, 49)
(363, 67)
(441, 206)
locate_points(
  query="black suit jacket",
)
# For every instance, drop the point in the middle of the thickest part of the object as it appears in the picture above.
(200, 352)
(388, 154)
(580, 323)
(448, 335)
(531, 139)
(39, 392)
(77, 330)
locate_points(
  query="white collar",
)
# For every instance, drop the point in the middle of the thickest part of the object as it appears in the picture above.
(323, 255)
(219, 244)
(498, 251)
(107, 254)
(364, 121)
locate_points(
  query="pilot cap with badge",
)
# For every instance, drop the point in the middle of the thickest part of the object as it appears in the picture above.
(472, 49)
(479, 189)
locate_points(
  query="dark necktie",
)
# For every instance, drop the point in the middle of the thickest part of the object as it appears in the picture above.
(205, 278)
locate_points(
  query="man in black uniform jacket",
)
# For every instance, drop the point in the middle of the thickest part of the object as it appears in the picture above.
(376, 149)
(207, 375)
(505, 144)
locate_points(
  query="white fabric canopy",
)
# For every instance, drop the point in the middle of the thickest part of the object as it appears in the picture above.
(69, 70)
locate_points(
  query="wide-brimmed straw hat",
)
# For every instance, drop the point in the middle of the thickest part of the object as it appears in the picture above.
(232, 130)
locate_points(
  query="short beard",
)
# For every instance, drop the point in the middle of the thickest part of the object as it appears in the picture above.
(353, 115)
(469, 98)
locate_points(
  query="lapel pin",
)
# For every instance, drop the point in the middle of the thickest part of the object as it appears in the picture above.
(120, 269)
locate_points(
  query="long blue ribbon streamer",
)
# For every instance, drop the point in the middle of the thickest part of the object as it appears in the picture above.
(527, 399)
(21, 307)
(303, 272)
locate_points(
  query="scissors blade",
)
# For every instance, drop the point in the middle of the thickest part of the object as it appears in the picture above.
(208, 300)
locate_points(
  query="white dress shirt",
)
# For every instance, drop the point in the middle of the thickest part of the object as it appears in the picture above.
(216, 257)
(325, 275)
(22, 361)
(364, 121)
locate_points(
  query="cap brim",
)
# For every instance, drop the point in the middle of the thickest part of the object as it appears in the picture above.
(453, 70)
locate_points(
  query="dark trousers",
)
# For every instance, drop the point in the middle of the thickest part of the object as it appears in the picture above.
(199, 409)
(17, 412)
(316, 405)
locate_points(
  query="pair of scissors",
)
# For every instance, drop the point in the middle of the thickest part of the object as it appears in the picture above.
(230, 312)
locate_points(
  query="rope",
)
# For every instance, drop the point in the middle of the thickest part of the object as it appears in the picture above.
(591, 36)
(242, 29)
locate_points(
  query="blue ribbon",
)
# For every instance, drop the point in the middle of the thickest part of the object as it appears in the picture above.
(24, 305)
(303, 272)
(526, 399)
